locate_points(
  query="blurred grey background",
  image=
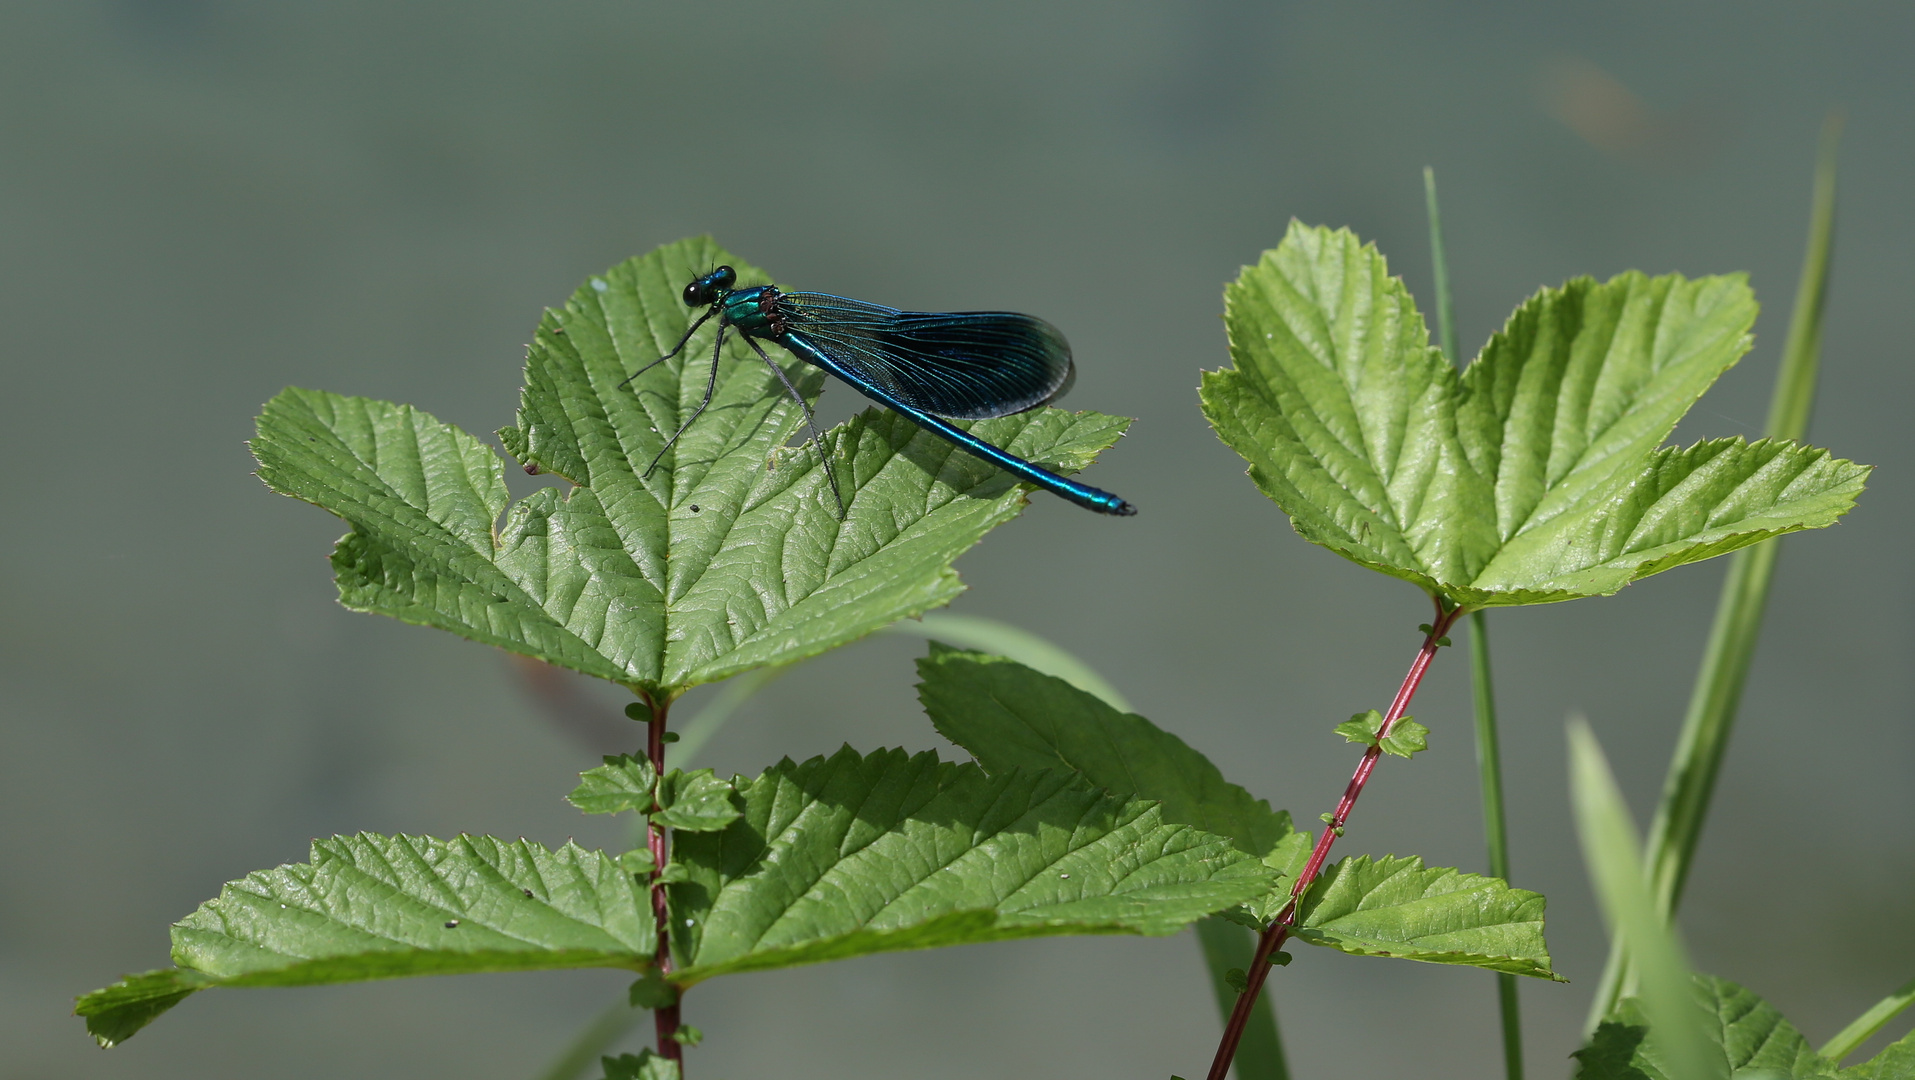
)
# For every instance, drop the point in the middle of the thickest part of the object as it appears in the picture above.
(202, 201)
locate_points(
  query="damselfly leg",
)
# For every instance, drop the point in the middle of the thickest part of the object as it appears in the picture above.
(811, 421)
(711, 385)
(674, 352)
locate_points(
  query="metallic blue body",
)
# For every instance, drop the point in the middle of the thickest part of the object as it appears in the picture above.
(928, 366)
(1084, 495)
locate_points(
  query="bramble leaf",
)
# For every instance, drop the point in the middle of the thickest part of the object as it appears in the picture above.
(1397, 907)
(729, 556)
(623, 783)
(115, 1013)
(1011, 717)
(644, 1065)
(1361, 728)
(1750, 1035)
(1406, 737)
(382, 907)
(852, 854)
(1895, 1062)
(695, 801)
(1533, 476)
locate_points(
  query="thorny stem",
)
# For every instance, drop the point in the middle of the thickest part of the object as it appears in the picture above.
(666, 1018)
(1272, 939)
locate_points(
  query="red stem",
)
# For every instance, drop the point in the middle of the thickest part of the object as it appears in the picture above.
(1272, 939)
(665, 1019)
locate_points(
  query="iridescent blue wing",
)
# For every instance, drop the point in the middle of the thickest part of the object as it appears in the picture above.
(964, 365)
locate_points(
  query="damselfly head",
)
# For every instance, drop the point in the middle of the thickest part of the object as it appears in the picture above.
(707, 288)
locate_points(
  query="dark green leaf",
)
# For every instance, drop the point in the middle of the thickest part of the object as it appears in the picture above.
(644, 1065)
(651, 991)
(851, 855)
(623, 783)
(1011, 717)
(1397, 907)
(1746, 1034)
(1895, 1062)
(378, 907)
(1287, 859)
(695, 802)
(730, 556)
(1533, 476)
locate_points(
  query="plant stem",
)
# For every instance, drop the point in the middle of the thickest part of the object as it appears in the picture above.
(1271, 939)
(1227, 945)
(666, 1018)
(1489, 769)
(1710, 719)
(1488, 757)
(1445, 327)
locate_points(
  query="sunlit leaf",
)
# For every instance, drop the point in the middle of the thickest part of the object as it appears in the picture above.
(1533, 476)
(853, 854)
(380, 907)
(1400, 908)
(730, 555)
(1011, 717)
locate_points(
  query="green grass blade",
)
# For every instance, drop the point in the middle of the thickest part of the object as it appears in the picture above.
(1445, 320)
(616, 1021)
(731, 696)
(1677, 1022)
(1869, 1023)
(1706, 727)
(1489, 770)
(1260, 1053)
(1482, 689)
(1003, 639)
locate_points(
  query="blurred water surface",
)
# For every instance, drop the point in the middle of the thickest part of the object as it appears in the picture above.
(202, 201)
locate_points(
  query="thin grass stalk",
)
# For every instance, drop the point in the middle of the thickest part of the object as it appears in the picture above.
(1489, 765)
(1877, 1017)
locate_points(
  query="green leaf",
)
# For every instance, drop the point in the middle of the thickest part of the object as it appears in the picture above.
(730, 556)
(1397, 907)
(651, 991)
(1895, 1062)
(1011, 717)
(379, 907)
(1361, 728)
(850, 855)
(1533, 476)
(623, 783)
(113, 1014)
(1745, 1036)
(1406, 737)
(695, 802)
(1288, 859)
(644, 1065)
